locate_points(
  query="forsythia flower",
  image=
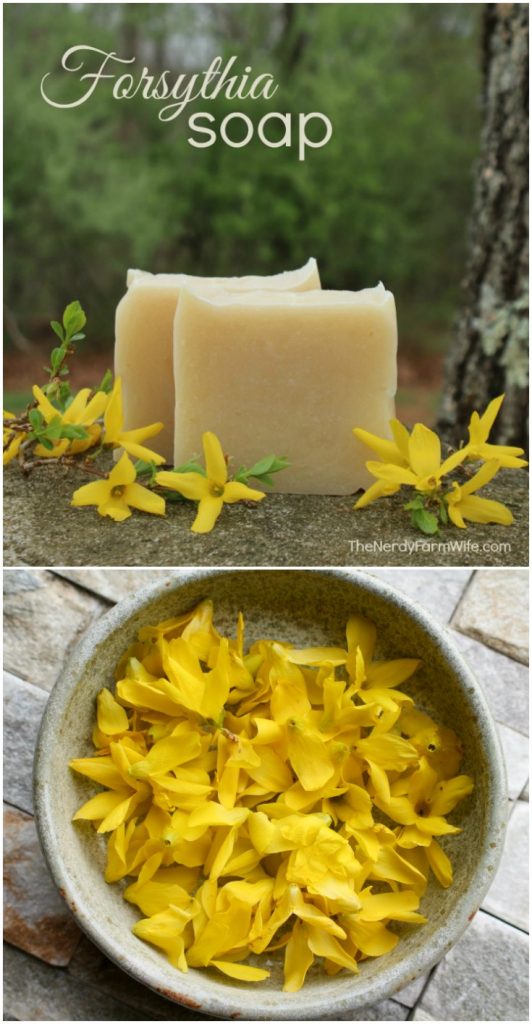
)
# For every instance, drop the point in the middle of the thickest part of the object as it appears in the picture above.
(463, 504)
(479, 431)
(129, 440)
(425, 469)
(12, 439)
(212, 491)
(116, 495)
(83, 411)
(239, 793)
(414, 460)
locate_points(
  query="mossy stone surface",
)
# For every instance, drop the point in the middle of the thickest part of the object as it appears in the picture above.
(41, 528)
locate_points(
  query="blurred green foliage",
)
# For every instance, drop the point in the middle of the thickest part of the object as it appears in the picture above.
(93, 190)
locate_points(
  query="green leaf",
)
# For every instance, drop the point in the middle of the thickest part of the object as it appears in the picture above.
(106, 382)
(64, 395)
(416, 502)
(78, 337)
(262, 466)
(36, 418)
(189, 467)
(262, 470)
(74, 432)
(45, 441)
(425, 521)
(56, 358)
(57, 328)
(73, 319)
(148, 469)
(53, 429)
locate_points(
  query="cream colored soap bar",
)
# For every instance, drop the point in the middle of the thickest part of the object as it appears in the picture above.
(287, 374)
(144, 331)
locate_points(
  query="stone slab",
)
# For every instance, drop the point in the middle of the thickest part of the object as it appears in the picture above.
(283, 530)
(508, 896)
(515, 750)
(114, 584)
(23, 708)
(35, 917)
(483, 977)
(494, 610)
(504, 681)
(90, 967)
(437, 592)
(409, 995)
(44, 617)
(35, 991)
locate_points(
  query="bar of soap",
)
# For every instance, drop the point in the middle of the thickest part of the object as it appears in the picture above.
(287, 374)
(144, 333)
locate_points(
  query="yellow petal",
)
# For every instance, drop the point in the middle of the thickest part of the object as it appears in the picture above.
(235, 491)
(112, 718)
(309, 756)
(484, 423)
(215, 464)
(242, 972)
(48, 411)
(145, 500)
(395, 906)
(115, 508)
(123, 473)
(191, 485)
(447, 794)
(99, 769)
(96, 493)
(139, 451)
(388, 674)
(440, 864)
(113, 417)
(165, 930)
(424, 450)
(372, 939)
(380, 489)
(386, 450)
(298, 959)
(484, 510)
(392, 474)
(209, 509)
(99, 806)
(322, 944)
(167, 754)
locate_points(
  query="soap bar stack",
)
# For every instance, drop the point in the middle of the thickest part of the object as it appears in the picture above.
(272, 365)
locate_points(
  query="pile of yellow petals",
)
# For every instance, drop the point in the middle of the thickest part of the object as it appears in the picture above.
(414, 460)
(83, 411)
(12, 438)
(101, 416)
(279, 799)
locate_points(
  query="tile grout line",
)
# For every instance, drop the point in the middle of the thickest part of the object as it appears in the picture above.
(84, 589)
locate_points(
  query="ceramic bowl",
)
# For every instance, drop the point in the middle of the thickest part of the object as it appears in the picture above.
(305, 607)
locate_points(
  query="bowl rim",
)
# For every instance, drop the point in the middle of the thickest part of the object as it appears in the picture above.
(365, 992)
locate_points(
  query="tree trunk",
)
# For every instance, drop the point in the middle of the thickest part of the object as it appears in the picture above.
(490, 351)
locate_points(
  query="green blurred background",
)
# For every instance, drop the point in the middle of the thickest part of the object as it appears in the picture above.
(94, 190)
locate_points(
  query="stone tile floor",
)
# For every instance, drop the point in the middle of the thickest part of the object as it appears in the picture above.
(53, 972)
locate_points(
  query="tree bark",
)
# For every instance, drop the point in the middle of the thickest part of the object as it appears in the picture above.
(490, 350)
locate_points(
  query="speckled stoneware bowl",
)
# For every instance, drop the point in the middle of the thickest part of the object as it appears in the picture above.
(304, 607)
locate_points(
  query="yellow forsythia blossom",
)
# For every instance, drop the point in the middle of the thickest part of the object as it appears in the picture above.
(240, 790)
(213, 490)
